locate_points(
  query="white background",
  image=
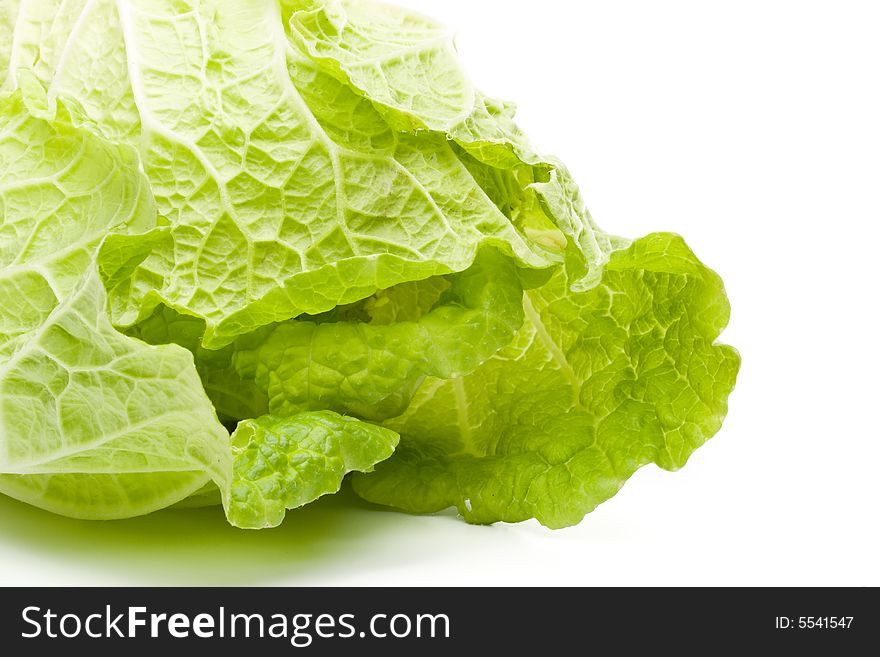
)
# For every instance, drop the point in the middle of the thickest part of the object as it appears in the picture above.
(751, 128)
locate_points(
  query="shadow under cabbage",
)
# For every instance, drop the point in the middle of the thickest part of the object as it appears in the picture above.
(198, 546)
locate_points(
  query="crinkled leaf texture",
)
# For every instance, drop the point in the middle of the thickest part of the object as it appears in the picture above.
(300, 218)
(283, 463)
(596, 385)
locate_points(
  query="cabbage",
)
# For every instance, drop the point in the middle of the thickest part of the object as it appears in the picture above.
(248, 248)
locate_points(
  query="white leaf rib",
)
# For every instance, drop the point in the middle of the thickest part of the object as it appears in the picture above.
(16, 34)
(84, 448)
(65, 52)
(555, 351)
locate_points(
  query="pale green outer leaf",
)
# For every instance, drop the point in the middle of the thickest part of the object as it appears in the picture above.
(285, 463)
(407, 66)
(61, 191)
(93, 424)
(8, 15)
(35, 39)
(287, 192)
(596, 385)
(402, 60)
